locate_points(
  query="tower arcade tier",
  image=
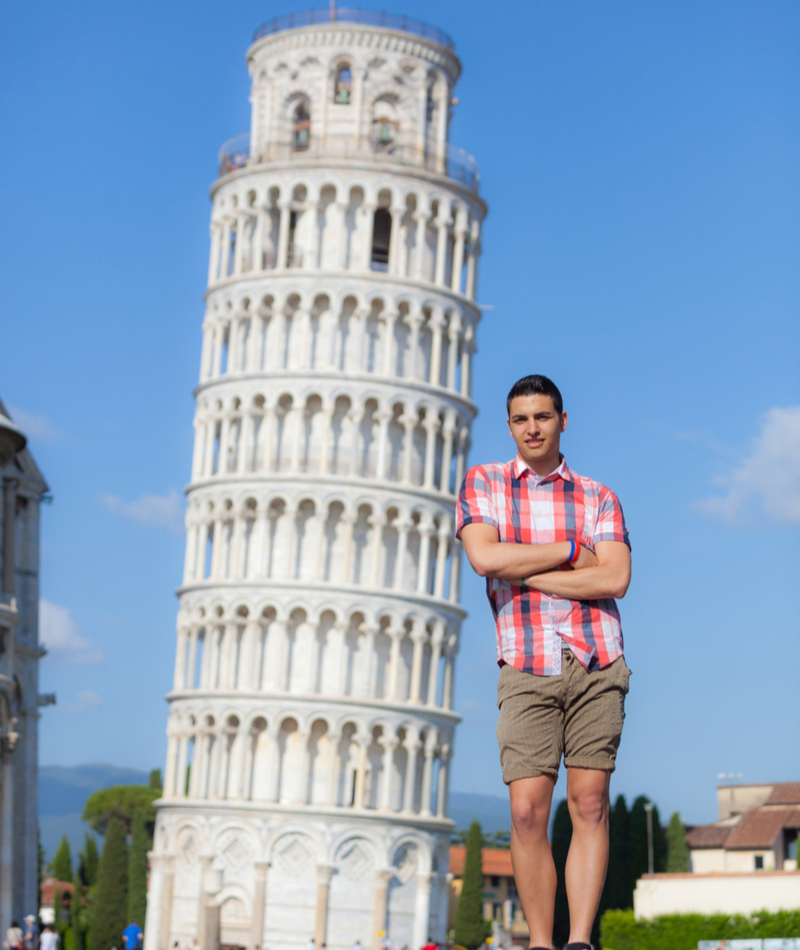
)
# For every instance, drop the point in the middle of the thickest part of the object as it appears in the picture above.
(311, 725)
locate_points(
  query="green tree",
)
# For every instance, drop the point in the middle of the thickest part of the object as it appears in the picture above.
(87, 862)
(111, 896)
(561, 839)
(155, 779)
(469, 925)
(677, 852)
(121, 801)
(137, 869)
(637, 843)
(616, 892)
(76, 919)
(62, 861)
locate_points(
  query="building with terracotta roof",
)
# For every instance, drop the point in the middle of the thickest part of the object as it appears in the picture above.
(756, 830)
(500, 899)
(744, 862)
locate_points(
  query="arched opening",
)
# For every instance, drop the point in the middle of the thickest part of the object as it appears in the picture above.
(343, 85)
(301, 133)
(381, 238)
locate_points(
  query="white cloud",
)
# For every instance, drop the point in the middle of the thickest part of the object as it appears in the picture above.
(767, 480)
(62, 638)
(152, 511)
(35, 427)
(87, 699)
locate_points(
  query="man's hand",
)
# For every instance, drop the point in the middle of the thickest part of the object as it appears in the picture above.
(508, 561)
(610, 577)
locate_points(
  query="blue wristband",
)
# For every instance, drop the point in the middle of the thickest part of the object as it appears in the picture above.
(572, 551)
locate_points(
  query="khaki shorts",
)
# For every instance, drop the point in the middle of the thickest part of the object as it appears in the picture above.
(576, 714)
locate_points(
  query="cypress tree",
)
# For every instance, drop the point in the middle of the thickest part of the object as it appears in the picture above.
(659, 843)
(469, 926)
(562, 836)
(87, 867)
(62, 862)
(677, 852)
(637, 843)
(137, 869)
(76, 916)
(155, 779)
(617, 892)
(111, 897)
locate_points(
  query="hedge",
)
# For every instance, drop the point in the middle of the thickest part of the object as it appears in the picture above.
(619, 930)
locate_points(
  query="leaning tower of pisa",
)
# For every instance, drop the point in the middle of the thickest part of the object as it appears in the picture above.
(311, 726)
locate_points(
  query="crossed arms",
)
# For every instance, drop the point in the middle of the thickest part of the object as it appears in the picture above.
(606, 573)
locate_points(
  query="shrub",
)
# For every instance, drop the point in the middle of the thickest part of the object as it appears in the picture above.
(619, 929)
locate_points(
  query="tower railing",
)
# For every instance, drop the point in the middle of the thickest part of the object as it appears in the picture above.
(389, 21)
(455, 163)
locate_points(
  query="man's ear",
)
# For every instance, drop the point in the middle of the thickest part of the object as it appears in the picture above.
(563, 421)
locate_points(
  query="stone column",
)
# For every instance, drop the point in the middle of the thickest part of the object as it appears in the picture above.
(466, 358)
(361, 771)
(368, 215)
(382, 878)
(441, 248)
(447, 451)
(441, 790)
(409, 423)
(167, 888)
(6, 840)
(384, 418)
(436, 654)
(418, 638)
(259, 904)
(472, 259)
(9, 525)
(441, 557)
(213, 261)
(390, 743)
(402, 543)
(425, 532)
(212, 885)
(422, 230)
(389, 320)
(394, 241)
(412, 746)
(427, 773)
(394, 662)
(179, 789)
(324, 873)
(422, 910)
(283, 235)
(458, 254)
(431, 428)
(226, 248)
(435, 376)
(454, 332)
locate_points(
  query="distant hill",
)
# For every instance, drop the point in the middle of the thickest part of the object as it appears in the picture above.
(62, 794)
(490, 810)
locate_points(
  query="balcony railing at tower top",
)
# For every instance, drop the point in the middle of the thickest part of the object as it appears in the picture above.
(391, 21)
(456, 164)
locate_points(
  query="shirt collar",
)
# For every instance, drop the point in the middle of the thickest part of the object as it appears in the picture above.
(520, 468)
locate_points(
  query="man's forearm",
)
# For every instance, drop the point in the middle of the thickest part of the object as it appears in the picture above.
(592, 583)
(509, 561)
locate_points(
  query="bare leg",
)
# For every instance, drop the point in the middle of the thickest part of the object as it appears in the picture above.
(534, 871)
(587, 797)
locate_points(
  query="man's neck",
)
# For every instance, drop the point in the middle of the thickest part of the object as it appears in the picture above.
(542, 467)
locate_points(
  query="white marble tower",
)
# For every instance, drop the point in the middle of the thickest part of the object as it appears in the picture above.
(311, 723)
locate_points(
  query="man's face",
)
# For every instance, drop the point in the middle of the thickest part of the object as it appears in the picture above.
(536, 428)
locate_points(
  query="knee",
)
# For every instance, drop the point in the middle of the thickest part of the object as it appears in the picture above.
(528, 815)
(589, 807)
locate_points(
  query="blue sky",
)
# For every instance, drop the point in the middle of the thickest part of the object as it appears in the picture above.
(642, 246)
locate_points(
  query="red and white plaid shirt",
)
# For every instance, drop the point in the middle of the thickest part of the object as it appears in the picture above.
(527, 509)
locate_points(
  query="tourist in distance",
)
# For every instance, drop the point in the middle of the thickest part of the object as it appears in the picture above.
(15, 939)
(132, 936)
(554, 549)
(49, 938)
(31, 933)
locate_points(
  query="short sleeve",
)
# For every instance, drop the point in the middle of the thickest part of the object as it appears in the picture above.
(610, 524)
(475, 504)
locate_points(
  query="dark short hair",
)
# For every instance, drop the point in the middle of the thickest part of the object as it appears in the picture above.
(535, 386)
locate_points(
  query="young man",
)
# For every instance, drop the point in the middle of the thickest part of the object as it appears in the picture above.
(554, 549)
